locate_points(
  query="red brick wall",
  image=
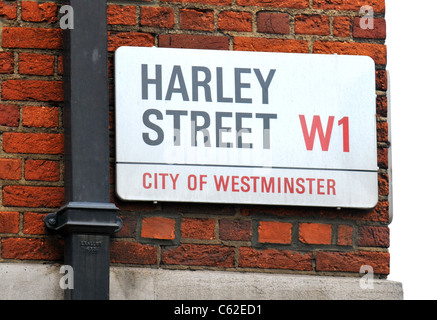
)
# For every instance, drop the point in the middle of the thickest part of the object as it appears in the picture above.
(177, 235)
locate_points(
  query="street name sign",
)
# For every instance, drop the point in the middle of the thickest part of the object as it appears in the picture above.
(245, 127)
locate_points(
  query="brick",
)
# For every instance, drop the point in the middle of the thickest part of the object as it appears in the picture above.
(314, 25)
(342, 26)
(315, 233)
(199, 255)
(198, 228)
(136, 39)
(235, 230)
(270, 45)
(36, 64)
(9, 115)
(382, 131)
(6, 62)
(381, 106)
(133, 252)
(33, 223)
(293, 4)
(8, 10)
(211, 2)
(158, 228)
(193, 41)
(383, 184)
(195, 19)
(235, 21)
(39, 12)
(10, 169)
(32, 90)
(378, 31)
(383, 158)
(32, 249)
(274, 259)
(61, 65)
(273, 22)
(31, 38)
(353, 261)
(129, 226)
(374, 236)
(376, 51)
(344, 235)
(42, 170)
(349, 5)
(157, 17)
(41, 117)
(9, 222)
(41, 143)
(122, 15)
(274, 232)
(33, 197)
(381, 80)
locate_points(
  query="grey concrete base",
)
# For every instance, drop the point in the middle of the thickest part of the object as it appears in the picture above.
(37, 281)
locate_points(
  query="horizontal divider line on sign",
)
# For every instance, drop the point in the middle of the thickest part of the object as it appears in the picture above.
(242, 166)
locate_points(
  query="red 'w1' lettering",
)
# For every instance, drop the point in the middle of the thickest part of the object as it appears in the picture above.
(324, 137)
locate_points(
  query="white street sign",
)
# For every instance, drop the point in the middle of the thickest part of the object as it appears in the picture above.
(245, 127)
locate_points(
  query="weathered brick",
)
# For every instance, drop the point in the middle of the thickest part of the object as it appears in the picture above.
(36, 64)
(31, 38)
(33, 197)
(6, 62)
(133, 253)
(314, 25)
(42, 143)
(237, 230)
(198, 228)
(274, 259)
(8, 10)
(194, 19)
(349, 5)
(32, 249)
(9, 222)
(32, 90)
(10, 169)
(315, 233)
(377, 32)
(39, 12)
(293, 4)
(33, 223)
(199, 255)
(158, 228)
(157, 17)
(122, 15)
(193, 41)
(9, 115)
(273, 22)
(353, 261)
(41, 117)
(374, 236)
(41, 170)
(235, 21)
(342, 26)
(344, 235)
(270, 45)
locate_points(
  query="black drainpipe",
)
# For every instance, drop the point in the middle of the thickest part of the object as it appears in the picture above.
(88, 219)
